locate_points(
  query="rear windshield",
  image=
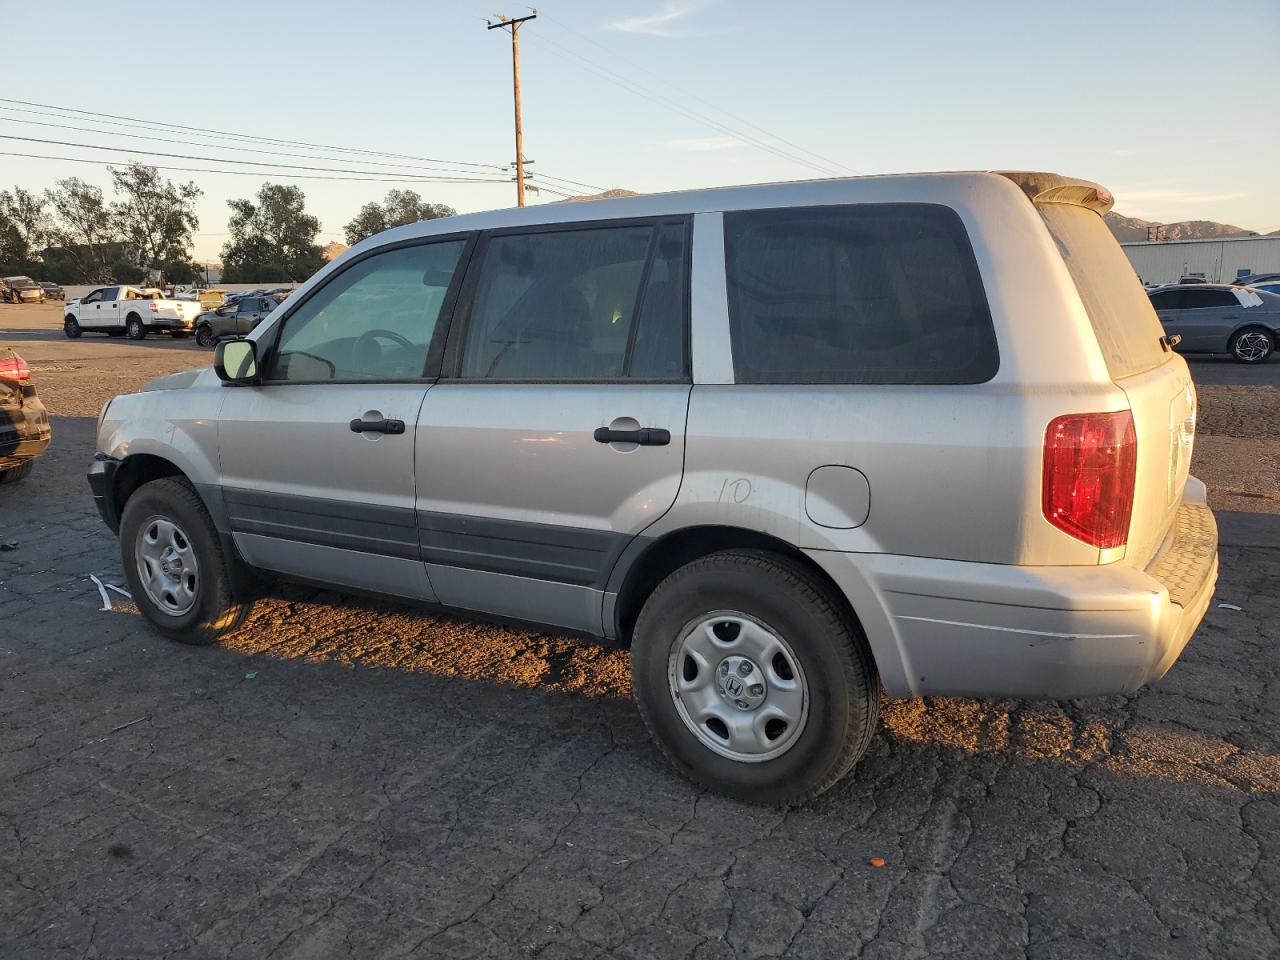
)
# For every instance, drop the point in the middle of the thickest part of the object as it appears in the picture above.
(1124, 322)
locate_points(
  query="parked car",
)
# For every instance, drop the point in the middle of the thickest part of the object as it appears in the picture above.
(4, 291)
(52, 291)
(1270, 286)
(795, 444)
(24, 423)
(232, 319)
(24, 290)
(1220, 318)
(129, 311)
(1255, 279)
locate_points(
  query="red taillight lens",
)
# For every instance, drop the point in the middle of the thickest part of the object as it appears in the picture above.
(154, 307)
(1090, 460)
(13, 367)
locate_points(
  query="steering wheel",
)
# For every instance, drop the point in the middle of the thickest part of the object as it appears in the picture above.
(366, 353)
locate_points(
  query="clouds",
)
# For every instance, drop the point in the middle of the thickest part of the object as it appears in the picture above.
(665, 23)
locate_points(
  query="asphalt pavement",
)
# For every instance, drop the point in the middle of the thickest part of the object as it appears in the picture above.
(348, 777)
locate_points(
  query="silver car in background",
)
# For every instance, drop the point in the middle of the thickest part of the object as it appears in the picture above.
(1220, 318)
(798, 445)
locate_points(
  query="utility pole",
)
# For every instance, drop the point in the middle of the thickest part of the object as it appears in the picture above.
(514, 24)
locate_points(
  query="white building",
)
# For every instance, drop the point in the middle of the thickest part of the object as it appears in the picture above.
(1217, 261)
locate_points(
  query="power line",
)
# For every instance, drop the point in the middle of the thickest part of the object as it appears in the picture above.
(603, 72)
(684, 92)
(150, 138)
(145, 125)
(416, 178)
(250, 173)
(134, 121)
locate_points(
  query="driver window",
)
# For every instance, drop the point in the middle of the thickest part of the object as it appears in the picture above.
(375, 321)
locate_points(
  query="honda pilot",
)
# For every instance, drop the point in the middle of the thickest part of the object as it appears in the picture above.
(798, 445)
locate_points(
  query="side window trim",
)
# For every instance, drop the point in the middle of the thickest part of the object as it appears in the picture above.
(460, 319)
(431, 368)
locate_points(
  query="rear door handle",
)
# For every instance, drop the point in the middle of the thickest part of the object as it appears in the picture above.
(377, 426)
(645, 436)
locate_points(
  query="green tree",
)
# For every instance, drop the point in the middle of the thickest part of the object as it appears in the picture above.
(401, 207)
(81, 232)
(24, 228)
(156, 217)
(272, 239)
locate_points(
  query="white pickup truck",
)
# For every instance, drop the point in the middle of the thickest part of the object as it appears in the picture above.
(129, 311)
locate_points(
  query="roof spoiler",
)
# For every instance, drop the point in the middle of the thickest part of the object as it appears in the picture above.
(1052, 188)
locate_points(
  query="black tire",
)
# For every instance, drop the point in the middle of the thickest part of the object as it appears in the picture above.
(217, 610)
(71, 327)
(795, 604)
(1255, 343)
(204, 335)
(134, 328)
(14, 474)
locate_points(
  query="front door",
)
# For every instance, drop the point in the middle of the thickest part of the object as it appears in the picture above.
(318, 461)
(558, 435)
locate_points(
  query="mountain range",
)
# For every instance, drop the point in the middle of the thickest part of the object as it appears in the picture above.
(1131, 228)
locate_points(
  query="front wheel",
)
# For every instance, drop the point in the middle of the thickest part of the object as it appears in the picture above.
(177, 571)
(1251, 345)
(204, 336)
(753, 679)
(71, 327)
(134, 329)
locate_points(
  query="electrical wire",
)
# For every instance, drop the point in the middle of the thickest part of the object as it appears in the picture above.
(687, 93)
(189, 143)
(604, 73)
(423, 178)
(250, 173)
(136, 122)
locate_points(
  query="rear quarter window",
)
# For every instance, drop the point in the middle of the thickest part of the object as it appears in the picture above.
(1120, 312)
(865, 293)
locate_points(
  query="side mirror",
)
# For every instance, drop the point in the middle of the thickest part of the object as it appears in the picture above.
(236, 361)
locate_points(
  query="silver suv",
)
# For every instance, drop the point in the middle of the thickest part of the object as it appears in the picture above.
(797, 445)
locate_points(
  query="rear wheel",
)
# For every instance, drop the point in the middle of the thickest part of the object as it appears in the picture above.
(753, 679)
(177, 571)
(71, 327)
(20, 472)
(134, 329)
(1252, 345)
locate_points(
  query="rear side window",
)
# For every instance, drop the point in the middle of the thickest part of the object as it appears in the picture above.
(1119, 310)
(598, 303)
(1167, 300)
(866, 293)
(1204, 299)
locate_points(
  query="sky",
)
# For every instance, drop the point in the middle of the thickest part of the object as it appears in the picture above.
(1171, 105)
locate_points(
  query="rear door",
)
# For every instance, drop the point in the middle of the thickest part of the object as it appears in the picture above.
(557, 435)
(108, 313)
(1156, 381)
(1207, 318)
(248, 313)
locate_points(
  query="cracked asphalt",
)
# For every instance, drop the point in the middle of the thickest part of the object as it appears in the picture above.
(348, 777)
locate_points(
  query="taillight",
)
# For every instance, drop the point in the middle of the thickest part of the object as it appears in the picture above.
(1090, 461)
(154, 307)
(13, 367)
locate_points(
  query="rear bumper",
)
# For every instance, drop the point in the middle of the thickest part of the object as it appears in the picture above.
(168, 323)
(24, 432)
(950, 628)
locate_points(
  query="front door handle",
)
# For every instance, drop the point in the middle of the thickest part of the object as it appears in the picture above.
(645, 436)
(377, 426)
